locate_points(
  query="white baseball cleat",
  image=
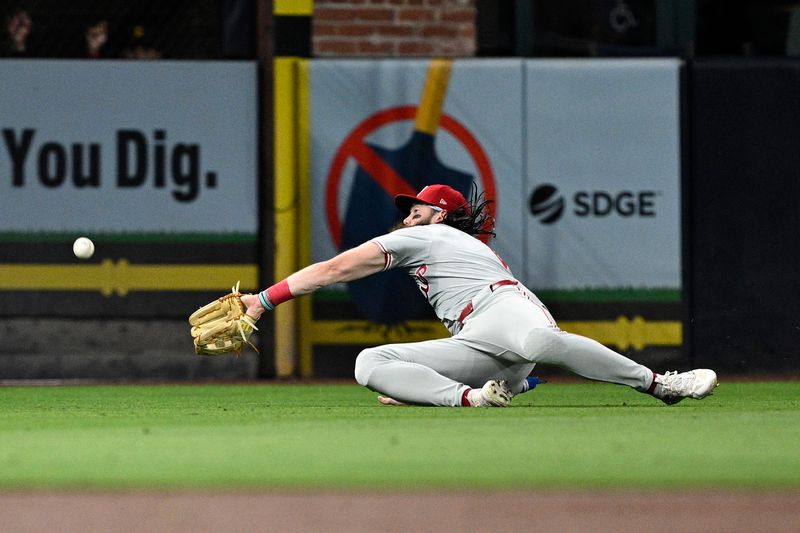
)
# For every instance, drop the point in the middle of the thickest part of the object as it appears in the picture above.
(492, 394)
(673, 387)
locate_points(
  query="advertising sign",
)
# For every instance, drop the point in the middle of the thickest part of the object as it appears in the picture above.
(125, 147)
(603, 174)
(583, 157)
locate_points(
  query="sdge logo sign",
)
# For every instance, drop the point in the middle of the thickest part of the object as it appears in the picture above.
(548, 206)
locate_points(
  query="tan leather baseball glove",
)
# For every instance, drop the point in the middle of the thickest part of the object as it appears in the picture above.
(222, 326)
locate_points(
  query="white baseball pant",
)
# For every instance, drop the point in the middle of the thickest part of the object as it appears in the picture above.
(508, 332)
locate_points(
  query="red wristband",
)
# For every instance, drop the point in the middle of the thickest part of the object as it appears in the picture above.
(279, 293)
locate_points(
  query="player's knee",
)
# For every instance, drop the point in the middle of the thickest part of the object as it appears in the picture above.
(544, 344)
(365, 363)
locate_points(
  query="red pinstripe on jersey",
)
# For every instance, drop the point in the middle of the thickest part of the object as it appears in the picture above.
(388, 260)
(501, 261)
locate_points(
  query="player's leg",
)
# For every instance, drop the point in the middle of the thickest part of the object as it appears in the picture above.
(523, 327)
(537, 338)
(436, 372)
(586, 357)
(590, 359)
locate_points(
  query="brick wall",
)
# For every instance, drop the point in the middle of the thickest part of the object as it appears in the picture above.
(394, 28)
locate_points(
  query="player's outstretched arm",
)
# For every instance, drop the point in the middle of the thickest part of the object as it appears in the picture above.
(349, 265)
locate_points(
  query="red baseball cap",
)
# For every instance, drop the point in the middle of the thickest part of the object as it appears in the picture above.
(441, 196)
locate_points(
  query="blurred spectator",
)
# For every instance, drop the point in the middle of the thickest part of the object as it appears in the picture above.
(96, 38)
(178, 29)
(18, 27)
(140, 46)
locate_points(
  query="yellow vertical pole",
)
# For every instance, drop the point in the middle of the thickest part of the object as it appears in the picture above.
(286, 211)
(304, 185)
(293, 7)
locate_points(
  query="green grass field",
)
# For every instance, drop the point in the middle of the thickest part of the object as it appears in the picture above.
(284, 435)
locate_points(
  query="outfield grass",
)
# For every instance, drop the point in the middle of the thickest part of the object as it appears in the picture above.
(282, 435)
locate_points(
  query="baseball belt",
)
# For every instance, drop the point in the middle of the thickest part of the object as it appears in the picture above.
(469, 308)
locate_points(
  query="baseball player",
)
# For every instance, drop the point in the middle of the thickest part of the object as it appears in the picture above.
(500, 329)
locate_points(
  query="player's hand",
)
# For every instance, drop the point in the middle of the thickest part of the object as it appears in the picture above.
(253, 305)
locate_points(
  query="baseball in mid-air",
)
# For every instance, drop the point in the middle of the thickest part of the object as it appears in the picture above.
(83, 248)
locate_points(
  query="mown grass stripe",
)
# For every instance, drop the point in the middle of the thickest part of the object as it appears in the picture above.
(271, 435)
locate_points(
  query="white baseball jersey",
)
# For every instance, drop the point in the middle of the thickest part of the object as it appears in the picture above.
(449, 266)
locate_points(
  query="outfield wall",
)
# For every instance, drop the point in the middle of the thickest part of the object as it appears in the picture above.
(662, 225)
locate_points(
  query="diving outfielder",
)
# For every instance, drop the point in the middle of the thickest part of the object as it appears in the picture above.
(500, 329)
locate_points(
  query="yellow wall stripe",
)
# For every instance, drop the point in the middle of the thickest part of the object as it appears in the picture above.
(121, 277)
(624, 333)
(351, 332)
